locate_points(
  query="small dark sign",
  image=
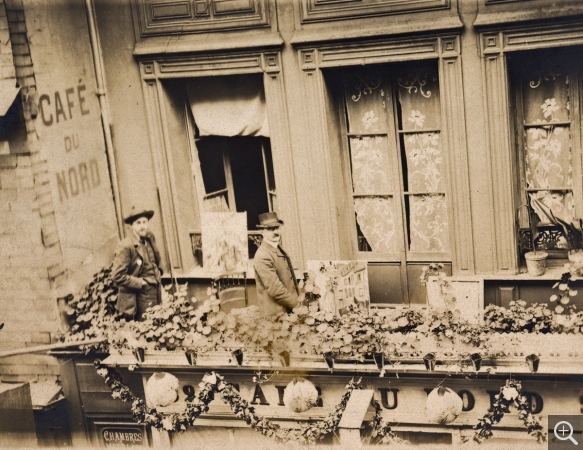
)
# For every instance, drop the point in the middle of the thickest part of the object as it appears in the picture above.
(114, 435)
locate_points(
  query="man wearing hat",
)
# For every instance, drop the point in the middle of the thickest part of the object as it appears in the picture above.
(136, 267)
(277, 288)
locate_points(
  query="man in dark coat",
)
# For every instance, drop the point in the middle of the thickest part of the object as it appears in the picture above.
(136, 267)
(277, 288)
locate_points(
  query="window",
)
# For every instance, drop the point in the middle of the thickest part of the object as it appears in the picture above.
(546, 94)
(392, 132)
(231, 149)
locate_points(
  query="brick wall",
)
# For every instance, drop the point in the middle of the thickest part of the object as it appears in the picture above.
(31, 260)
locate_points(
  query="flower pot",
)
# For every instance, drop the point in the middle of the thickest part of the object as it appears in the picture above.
(532, 363)
(536, 263)
(576, 260)
(285, 358)
(379, 359)
(476, 360)
(329, 357)
(429, 361)
(238, 355)
(139, 353)
(190, 357)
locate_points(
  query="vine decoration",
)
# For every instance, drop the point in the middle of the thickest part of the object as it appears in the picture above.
(213, 384)
(510, 394)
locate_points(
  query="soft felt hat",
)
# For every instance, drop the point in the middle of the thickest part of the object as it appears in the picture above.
(269, 219)
(136, 213)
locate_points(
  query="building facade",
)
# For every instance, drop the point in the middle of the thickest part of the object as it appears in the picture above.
(398, 133)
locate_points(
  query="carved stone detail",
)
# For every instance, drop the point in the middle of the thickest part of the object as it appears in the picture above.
(324, 11)
(161, 17)
(217, 64)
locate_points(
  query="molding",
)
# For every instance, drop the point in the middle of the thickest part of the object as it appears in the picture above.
(528, 13)
(446, 23)
(168, 45)
(326, 11)
(452, 104)
(320, 211)
(161, 170)
(282, 157)
(159, 17)
(531, 37)
(502, 167)
(211, 65)
(375, 52)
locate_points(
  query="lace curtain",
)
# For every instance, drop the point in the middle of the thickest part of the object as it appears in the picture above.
(376, 188)
(547, 145)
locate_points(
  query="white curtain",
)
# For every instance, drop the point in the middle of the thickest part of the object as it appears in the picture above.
(229, 105)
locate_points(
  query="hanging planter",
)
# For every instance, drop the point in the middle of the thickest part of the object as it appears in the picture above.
(329, 358)
(476, 360)
(532, 362)
(300, 395)
(443, 405)
(285, 358)
(139, 354)
(238, 355)
(162, 389)
(430, 361)
(190, 357)
(536, 263)
(379, 359)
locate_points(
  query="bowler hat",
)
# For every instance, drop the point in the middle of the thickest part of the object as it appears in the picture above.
(136, 213)
(269, 219)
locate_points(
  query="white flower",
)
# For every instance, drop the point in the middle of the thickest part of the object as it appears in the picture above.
(509, 393)
(167, 424)
(417, 118)
(548, 107)
(102, 372)
(369, 119)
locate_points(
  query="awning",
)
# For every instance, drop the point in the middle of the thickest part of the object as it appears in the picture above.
(8, 92)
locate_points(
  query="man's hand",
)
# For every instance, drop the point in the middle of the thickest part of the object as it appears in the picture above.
(144, 283)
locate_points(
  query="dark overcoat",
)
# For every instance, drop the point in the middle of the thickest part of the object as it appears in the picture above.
(127, 265)
(275, 280)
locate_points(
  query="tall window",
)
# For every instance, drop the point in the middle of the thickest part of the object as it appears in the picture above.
(546, 96)
(393, 131)
(231, 150)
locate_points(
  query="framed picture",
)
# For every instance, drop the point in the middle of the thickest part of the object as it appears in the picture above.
(340, 284)
(224, 242)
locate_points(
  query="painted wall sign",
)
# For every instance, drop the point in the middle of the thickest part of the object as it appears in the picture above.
(71, 136)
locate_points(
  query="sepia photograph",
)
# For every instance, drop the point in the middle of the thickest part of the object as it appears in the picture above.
(295, 224)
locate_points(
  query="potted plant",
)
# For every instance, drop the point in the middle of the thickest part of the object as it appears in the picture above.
(573, 232)
(536, 263)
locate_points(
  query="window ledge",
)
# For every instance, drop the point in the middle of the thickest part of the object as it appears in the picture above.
(552, 273)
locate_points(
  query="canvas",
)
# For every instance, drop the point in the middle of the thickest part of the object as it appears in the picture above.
(340, 284)
(224, 242)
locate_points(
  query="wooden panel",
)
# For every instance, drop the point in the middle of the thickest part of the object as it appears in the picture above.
(170, 11)
(385, 284)
(233, 6)
(457, 157)
(102, 403)
(321, 10)
(159, 17)
(502, 167)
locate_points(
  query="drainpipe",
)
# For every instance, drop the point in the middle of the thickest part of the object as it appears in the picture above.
(101, 95)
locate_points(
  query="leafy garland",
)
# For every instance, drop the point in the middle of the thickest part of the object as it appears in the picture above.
(214, 383)
(510, 394)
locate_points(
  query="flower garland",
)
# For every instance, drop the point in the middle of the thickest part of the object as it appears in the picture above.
(214, 383)
(510, 394)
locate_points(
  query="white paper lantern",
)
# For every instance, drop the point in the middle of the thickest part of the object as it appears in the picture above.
(300, 395)
(161, 389)
(443, 405)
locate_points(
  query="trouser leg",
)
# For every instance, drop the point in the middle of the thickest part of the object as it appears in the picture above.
(147, 297)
